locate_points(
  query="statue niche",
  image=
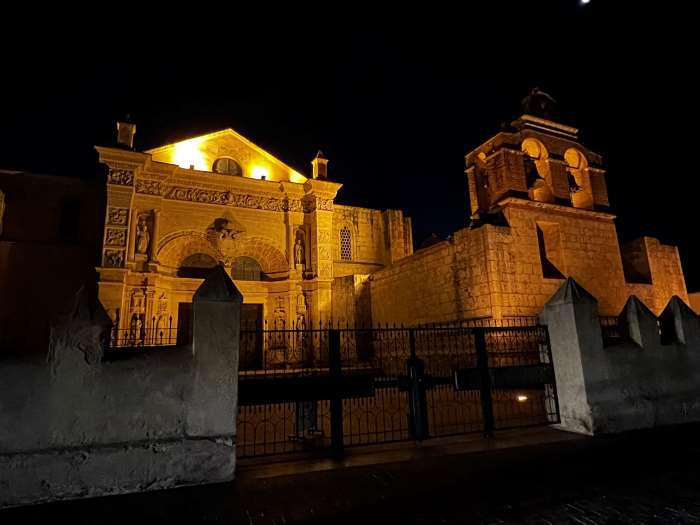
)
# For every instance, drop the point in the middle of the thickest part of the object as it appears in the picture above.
(143, 234)
(300, 250)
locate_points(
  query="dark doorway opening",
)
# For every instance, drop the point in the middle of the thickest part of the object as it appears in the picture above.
(251, 340)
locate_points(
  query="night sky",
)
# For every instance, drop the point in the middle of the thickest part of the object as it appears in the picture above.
(395, 97)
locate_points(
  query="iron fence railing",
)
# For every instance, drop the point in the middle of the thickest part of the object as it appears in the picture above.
(157, 332)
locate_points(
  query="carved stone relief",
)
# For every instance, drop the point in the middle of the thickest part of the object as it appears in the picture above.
(115, 237)
(149, 187)
(114, 258)
(120, 177)
(117, 216)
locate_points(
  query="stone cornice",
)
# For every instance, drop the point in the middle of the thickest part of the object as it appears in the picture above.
(566, 210)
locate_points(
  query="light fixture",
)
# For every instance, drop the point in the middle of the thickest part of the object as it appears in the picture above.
(521, 398)
(259, 172)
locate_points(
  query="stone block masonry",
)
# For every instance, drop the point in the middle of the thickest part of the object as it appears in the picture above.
(78, 426)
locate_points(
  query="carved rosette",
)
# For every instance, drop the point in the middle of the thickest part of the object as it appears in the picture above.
(120, 177)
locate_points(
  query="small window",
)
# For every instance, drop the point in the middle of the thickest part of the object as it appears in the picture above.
(227, 166)
(345, 244)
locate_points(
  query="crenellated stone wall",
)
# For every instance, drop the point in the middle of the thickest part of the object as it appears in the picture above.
(647, 375)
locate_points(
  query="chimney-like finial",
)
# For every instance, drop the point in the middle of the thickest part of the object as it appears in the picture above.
(125, 133)
(319, 166)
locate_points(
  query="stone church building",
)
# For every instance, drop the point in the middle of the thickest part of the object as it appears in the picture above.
(176, 211)
(539, 213)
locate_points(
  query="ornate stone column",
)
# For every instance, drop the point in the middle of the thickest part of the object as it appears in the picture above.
(133, 224)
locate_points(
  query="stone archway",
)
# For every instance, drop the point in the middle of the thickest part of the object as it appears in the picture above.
(176, 247)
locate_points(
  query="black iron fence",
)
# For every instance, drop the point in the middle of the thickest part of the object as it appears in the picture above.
(156, 332)
(329, 387)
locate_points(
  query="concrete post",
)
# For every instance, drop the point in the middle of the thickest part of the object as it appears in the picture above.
(572, 319)
(641, 323)
(212, 402)
(685, 321)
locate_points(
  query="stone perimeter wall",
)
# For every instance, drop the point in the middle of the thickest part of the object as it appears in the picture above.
(641, 381)
(75, 426)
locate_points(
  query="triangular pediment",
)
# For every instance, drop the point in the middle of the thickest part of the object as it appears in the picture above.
(201, 152)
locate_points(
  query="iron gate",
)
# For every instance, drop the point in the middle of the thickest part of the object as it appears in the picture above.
(336, 387)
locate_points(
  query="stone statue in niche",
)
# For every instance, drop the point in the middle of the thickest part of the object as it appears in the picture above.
(299, 258)
(143, 236)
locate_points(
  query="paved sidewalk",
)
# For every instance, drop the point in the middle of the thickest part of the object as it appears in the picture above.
(645, 477)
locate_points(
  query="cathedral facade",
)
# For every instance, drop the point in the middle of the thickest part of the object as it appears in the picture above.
(176, 211)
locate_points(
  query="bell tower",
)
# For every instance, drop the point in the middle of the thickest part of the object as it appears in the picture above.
(537, 159)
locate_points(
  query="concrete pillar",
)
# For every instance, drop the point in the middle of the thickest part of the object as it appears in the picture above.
(212, 401)
(571, 316)
(641, 323)
(685, 321)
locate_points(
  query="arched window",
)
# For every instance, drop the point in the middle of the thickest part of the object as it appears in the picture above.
(246, 269)
(345, 244)
(579, 183)
(227, 166)
(537, 174)
(196, 266)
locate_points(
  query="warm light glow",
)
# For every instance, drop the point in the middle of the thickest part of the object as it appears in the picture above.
(521, 398)
(297, 177)
(188, 153)
(259, 172)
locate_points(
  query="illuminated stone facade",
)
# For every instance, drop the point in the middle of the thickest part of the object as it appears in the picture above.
(539, 214)
(174, 212)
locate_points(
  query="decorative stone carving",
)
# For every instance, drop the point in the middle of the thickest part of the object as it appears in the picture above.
(114, 258)
(226, 198)
(222, 234)
(162, 304)
(117, 216)
(115, 237)
(325, 270)
(301, 310)
(149, 187)
(280, 315)
(324, 252)
(120, 177)
(143, 236)
(324, 236)
(199, 195)
(316, 203)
